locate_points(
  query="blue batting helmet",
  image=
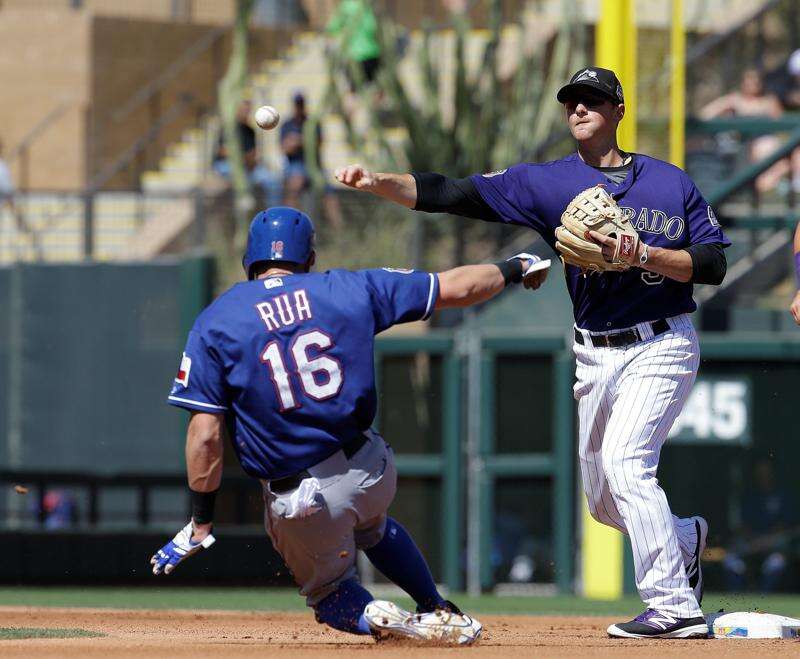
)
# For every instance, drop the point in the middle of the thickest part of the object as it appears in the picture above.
(279, 233)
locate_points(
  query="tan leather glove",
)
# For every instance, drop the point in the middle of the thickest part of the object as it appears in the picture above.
(595, 210)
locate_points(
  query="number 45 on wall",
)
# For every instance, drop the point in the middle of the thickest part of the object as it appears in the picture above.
(717, 412)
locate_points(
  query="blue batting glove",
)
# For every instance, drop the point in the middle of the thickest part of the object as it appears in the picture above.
(178, 549)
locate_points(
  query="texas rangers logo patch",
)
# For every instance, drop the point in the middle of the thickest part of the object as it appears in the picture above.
(626, 245)
(183, 372)
(402, 271)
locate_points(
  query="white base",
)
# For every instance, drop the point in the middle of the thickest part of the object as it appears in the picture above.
(746, 624)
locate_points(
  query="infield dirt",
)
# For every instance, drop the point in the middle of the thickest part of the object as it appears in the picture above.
(236, 634)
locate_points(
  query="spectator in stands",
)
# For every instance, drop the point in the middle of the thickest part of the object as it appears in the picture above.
(257, 174)
(59, 510)
(6, 183)
(295, 172)
(791, 99)
(296, 177)
(355, 28)
(7, 192)
(751, 100)
(762, 542)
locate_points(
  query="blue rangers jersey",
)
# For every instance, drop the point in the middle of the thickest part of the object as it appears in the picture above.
(291, 358)
(662, 202)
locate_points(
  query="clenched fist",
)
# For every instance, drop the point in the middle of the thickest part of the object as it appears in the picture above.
(355, 176)
(795, 308)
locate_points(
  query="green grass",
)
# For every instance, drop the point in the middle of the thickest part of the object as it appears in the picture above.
(16, 633)
(263, 599)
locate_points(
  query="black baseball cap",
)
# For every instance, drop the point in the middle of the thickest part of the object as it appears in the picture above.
(603, 82)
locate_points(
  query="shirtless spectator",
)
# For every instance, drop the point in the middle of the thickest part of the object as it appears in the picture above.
(751, 100)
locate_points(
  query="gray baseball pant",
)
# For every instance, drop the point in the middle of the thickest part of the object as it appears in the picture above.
(320, 550)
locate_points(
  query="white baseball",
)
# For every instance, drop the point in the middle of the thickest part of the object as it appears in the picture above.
(267, 117)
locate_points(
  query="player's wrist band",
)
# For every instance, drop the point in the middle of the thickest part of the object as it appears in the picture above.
(203, 506)
(512, 270)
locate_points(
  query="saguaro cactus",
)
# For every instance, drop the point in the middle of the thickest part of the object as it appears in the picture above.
(494, 122)
(231, 89)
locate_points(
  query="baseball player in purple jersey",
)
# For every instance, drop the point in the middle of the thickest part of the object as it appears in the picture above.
(289, 354)
(636, 350)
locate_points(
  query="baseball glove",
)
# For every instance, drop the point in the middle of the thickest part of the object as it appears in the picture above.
(595, 210)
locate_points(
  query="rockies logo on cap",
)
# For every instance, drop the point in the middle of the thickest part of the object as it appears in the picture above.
(587, 74)
(603, 82)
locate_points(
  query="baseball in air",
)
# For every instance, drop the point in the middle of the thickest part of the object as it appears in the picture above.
(267, 117)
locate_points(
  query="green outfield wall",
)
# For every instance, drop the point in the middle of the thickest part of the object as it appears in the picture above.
(482, 422)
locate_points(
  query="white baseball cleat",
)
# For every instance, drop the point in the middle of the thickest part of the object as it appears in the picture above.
(387, 620)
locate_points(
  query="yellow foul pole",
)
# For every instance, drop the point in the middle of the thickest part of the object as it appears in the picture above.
(615, 49)
(677, 95)
(602, 556)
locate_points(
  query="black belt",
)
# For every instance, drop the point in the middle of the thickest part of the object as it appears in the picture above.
(620, 339)
(288, 483)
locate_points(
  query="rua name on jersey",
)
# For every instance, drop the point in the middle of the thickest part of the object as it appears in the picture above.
(284, 310)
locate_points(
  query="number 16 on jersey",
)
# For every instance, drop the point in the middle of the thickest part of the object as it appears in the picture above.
(317, 377)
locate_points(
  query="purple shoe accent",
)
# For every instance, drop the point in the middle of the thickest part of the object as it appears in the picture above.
(645, 615)
(646, 619)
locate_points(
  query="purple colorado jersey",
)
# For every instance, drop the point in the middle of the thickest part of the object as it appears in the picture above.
(291, 358)
(663, 204)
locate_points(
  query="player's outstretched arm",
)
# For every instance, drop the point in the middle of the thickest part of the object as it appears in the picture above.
(400, 188)
(204, 442)
(431, 193)
(472, 284)
(795, 307)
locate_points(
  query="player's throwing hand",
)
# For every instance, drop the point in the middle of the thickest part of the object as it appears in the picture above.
(355, 176)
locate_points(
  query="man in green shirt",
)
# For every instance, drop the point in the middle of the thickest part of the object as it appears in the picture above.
(355, 27)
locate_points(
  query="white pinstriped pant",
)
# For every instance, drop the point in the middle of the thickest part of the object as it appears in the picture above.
(628, 399)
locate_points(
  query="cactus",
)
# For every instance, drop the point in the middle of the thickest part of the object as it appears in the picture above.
(495, 123)
(231, 89)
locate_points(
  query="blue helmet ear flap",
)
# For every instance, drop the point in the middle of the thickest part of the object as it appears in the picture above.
(280, 233)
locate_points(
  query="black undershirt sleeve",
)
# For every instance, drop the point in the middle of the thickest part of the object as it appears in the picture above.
(441, 194)
(708, 263)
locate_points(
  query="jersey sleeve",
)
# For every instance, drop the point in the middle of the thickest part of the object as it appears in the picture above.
(511, 195)
(199, 384)
(702, 224)
(400, 296)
